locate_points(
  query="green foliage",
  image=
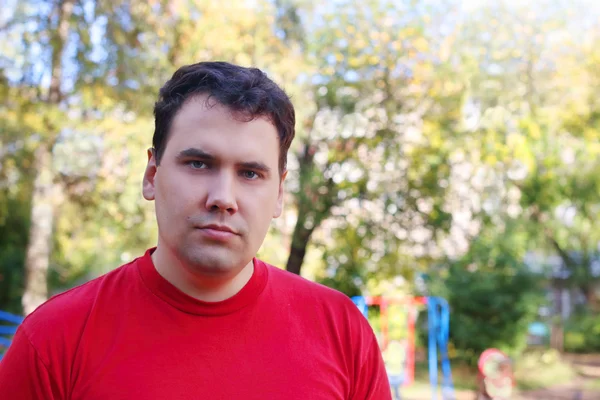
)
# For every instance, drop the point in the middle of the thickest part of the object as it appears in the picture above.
(582, 333)
(348, 265)
(492, 299)
(14, 225)
(99, 126)
(389, 169)
(12, 260)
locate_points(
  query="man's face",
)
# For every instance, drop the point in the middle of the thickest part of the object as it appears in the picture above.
(216, 189)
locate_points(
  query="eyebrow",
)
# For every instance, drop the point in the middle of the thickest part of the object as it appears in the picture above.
(195, 153)
(257, 166)
(201, 154)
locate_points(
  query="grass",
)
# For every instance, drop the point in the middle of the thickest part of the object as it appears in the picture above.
(533, 370)
(463, 376)
(592, 385)
(542, 369)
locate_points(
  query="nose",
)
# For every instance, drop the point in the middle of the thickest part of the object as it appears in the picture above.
(221, 194)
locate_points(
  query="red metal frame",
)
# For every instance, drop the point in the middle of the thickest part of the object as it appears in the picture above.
(412, 303)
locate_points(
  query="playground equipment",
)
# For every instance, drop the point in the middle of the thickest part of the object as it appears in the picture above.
(403, 353)
(8, 326)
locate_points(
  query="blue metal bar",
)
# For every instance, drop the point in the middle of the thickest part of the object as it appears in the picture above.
(439, 330)
(8, 330)
(15, 319)
(432, 336)
(438, 336)
(443, 338)
(361, 303)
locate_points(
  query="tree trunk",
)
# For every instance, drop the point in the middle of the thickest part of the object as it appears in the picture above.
(589, 291)
(37, 257)
(557, 336)
(40, 232)
(556, 328)
(300, 239)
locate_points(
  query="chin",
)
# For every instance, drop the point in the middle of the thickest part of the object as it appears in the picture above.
(213, 261)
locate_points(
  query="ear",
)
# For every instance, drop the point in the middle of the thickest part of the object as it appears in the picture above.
(279, 205)
(148, 188)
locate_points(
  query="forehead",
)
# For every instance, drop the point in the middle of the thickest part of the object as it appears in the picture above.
(214, 128)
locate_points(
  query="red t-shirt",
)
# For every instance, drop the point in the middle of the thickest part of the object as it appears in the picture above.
(130, 334)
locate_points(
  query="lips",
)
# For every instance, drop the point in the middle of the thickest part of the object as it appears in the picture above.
(219, 228)
(218, 233)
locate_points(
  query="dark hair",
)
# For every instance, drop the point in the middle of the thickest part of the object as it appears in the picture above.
(247, 92)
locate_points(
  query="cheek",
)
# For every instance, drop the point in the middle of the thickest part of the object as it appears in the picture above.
(173, 196)
(178, 187)
(259, 211)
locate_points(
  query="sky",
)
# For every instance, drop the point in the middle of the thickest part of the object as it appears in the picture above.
(587, 12)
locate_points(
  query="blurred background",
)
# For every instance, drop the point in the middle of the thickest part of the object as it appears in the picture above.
(444, 148)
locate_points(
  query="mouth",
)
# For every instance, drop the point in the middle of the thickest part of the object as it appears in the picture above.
(218, 228)
(217, 233)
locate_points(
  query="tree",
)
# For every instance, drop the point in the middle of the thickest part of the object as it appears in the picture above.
(374, 84)
(535, 128)
(527, 90)
(44, 189)
(90, 91)
(47, 83)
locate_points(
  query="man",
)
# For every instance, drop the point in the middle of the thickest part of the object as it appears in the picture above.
(199, 317)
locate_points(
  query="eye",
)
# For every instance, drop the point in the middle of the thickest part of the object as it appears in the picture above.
(197, 164)
(250, 175)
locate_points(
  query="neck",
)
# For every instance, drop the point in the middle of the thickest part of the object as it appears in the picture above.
(193, 283)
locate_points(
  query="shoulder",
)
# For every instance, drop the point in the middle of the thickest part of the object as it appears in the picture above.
(300, 286)
(61, 319)
(325, 313)
(328, 321)
(316, 299)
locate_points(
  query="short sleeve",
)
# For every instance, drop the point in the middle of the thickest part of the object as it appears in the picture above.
(371, 378)
(23, 375)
